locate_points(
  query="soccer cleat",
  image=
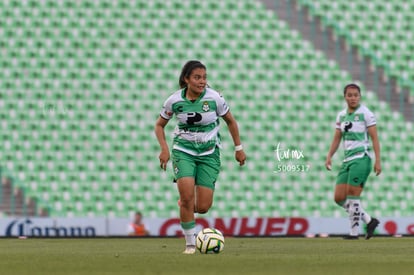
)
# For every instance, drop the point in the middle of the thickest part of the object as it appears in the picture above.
(189, 249)
(371, 228)
(350, 237)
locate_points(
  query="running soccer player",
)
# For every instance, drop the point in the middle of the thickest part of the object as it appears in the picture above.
(195, 150)
(355, 125)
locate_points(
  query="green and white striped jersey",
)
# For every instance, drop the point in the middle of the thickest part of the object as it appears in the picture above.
(197, 131)
(354, 128)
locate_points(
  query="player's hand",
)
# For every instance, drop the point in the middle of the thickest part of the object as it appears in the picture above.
(377, 168)
(240, 157)
(164, 157)
(328, 164)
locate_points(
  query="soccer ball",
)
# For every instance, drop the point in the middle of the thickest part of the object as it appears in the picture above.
(209, 241)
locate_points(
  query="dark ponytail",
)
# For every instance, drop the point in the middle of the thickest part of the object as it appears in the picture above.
(187, 70)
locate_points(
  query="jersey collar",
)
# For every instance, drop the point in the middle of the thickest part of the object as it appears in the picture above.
(184, 91)
(350, 113)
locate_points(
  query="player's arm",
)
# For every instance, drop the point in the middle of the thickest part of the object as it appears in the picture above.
(160, 134)
(372, 132)
(334, 146)
(234, 132)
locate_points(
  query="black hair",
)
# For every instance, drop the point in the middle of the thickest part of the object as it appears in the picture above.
(187, 70)
(354, 86)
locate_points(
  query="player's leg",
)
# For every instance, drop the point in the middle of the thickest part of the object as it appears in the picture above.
(208, 169)
(359, 171)
(187, 197)
(351, 205)
(342, 198)
(341, 187)
(184, 172)
(204, 199)
(354, 210)
(341, 193)
(341, 190)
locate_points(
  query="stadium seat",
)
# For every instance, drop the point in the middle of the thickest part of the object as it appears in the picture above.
(83, 93)
(386, 48)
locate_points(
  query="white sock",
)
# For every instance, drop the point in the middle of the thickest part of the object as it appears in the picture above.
(364, 215)
(354, 212)
(189, 235)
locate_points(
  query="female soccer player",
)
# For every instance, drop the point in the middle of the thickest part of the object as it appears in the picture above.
(195, 149)
(355, 124)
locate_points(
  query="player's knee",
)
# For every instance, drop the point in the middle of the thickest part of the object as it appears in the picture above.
(339, 196)
(186, 202)
(202, 210)
(339, 200)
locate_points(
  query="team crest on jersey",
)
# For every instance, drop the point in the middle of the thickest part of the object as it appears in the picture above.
(206, 107)
(356, 118)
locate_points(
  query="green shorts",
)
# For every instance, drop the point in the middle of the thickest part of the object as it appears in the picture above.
(204, 169)
(355, 172)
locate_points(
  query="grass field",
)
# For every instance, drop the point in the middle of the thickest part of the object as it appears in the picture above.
(240, 256)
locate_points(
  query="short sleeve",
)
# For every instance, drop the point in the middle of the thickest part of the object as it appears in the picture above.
(222, 107)
(370, 119)
(338, 122)
(166, 111)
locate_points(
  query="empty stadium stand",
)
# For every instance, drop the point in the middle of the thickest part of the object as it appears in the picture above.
(82, 83)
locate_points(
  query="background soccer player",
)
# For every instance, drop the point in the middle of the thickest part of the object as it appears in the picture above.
(354, 125)
(195, 150)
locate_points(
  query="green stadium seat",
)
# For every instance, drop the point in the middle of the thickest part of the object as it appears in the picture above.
(380, 16)
(85, 111)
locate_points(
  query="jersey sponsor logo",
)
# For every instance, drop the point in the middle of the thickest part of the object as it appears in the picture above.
(347, 126)
(193, 117)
